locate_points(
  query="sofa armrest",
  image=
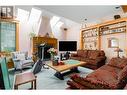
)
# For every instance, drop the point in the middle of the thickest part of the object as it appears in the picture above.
(100, 61)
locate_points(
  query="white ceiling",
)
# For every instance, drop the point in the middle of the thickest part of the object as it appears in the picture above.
(79, 13)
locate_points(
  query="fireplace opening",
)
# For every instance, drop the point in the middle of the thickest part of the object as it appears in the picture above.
(42, 51)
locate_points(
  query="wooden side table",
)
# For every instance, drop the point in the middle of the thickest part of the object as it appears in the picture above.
(25, 78)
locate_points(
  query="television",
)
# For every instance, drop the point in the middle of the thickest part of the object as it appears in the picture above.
(67, 45)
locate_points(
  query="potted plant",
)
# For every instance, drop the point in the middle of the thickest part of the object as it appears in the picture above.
(53, 53)
(32, 34)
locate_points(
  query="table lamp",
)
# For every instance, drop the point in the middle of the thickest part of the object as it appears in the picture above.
(118, 50)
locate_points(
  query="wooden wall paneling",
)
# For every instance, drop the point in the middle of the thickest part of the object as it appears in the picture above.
(124, 7)
(126, 39)
(81, 40)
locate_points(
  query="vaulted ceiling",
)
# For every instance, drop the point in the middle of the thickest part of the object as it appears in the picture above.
(80, 13)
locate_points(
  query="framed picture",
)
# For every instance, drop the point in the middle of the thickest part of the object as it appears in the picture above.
(6, 12)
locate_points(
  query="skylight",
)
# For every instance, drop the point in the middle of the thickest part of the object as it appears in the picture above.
(59, 24)
(22, 15)
(54, 20)
(34, 15)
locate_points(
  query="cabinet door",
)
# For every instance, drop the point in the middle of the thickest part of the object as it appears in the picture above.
(7, 36)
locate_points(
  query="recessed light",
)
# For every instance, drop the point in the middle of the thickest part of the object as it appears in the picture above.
(85, 19)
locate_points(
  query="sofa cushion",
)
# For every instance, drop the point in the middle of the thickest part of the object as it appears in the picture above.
(111, 69)
(82, 53)
(93, 54)
(99, 79)
(118, 62)
(105, 78)
(21, 56)
(122, 76)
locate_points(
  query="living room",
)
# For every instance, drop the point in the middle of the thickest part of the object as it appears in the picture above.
(65, 50)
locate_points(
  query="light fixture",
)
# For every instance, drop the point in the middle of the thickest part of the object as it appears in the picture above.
(59, 24)
(83, 25)
(54, 20)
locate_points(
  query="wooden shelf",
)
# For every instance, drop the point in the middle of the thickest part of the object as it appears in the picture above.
(88, 29)
(90, 36)
(114, 28)
(90, 41)
(112, 33)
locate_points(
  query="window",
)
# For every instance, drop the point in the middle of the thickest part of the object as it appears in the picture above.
(22, 15)
(34, 15)
(59, 24)
(54, 20)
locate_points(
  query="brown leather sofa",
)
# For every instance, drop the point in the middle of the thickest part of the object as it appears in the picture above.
(110, 76)
(94, 58)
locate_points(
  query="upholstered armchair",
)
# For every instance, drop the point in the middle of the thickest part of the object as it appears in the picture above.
(21, 60)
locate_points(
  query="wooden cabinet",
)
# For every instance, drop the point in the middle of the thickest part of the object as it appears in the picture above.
(91, 36)
(8, 35)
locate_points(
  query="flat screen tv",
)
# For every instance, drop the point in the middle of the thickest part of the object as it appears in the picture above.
(67, 45)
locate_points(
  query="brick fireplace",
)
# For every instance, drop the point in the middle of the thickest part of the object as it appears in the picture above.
(37, 41)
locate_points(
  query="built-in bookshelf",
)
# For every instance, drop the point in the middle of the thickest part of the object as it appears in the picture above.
(91, 36)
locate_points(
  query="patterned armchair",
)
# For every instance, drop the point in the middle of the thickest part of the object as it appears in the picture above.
(21, 60)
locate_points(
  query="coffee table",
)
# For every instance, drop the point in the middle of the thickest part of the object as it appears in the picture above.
(69, 65)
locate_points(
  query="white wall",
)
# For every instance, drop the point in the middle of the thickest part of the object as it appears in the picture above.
(110, 51)
(73, 34)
